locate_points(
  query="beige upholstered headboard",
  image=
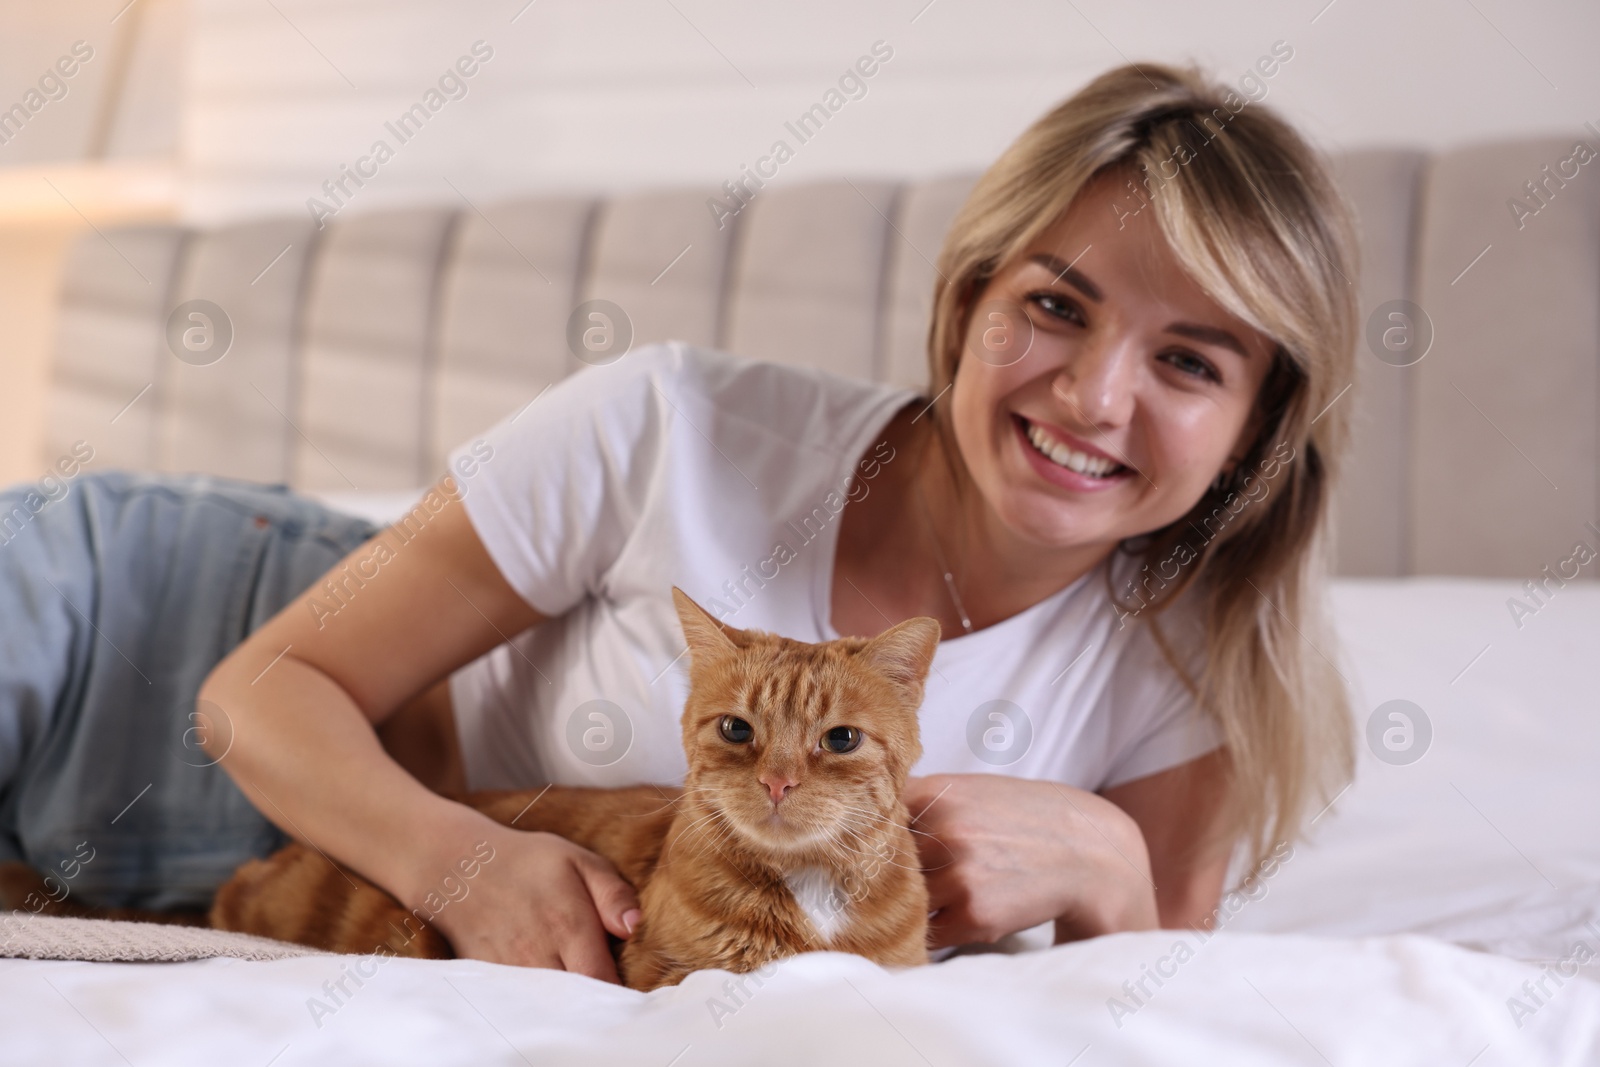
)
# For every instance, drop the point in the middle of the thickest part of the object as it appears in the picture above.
(364, 351)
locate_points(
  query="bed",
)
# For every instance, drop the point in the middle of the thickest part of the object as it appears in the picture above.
(1444, 910)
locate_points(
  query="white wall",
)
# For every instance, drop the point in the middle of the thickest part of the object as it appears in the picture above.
(644, 92)
(271, 96)
(121, 101)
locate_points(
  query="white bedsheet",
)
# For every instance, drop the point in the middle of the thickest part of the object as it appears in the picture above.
(1243, 999)
(1490, 840)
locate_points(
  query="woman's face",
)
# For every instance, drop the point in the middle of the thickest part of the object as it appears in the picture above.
(1133, 393)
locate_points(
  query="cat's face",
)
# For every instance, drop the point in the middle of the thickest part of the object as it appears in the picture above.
(793, 744)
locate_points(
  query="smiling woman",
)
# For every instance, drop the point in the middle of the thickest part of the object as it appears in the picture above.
(1098, 384)
(1170, 350)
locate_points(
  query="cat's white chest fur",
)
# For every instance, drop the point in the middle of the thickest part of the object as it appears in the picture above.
(823, 901)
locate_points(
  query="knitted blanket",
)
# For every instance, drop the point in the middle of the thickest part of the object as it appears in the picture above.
(43, 937)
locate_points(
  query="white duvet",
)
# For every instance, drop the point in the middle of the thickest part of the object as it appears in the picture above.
(1441, 913)
(1242, 999)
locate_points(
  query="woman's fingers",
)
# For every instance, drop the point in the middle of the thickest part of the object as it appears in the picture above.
(950, 900)
(949, 893)
(614, 899)
(945, 932)
(922, 795)
(939, 899)
(1003, 854)
(548, 904)
(956, 925)
(587, 952)
(543, 952)
(575, 923)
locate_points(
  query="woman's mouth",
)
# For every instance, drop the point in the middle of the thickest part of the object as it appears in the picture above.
(1064, 465)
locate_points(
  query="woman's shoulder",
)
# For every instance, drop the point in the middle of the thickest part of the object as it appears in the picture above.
(787, 399)
(719, 402)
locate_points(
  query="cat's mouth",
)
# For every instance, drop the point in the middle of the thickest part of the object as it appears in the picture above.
(783, 826)
(780, 819)
(777, 821)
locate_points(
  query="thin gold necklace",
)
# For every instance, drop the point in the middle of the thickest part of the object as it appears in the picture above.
(944, 568)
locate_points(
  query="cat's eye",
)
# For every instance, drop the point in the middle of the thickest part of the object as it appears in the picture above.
(842, 739)
(735, 730)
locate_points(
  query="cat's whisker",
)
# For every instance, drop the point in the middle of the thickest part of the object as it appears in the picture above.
(687, 791)
(880, 861)
(875, 822)
(847, 833)
(842, 847)
(690, 829)
(890, 863)
(654, 811)
(714, 835)
(863, 827)
(711, 812)
(877, 817)
(723, 833)
(673, 801)
(698, 824)
(864, 811)
(876, 860)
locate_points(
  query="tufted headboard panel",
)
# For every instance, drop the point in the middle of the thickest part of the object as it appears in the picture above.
(363, 352)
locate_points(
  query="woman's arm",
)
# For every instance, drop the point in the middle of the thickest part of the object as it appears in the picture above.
(1178, 813)
(1005, 854)
(304, 695)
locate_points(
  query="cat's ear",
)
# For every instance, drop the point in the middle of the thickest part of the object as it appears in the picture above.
(703, 633)
(903, 654)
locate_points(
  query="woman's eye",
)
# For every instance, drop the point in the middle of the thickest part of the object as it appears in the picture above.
(842, 739)
(1057, 306)
(735, 730)
(1191, 364)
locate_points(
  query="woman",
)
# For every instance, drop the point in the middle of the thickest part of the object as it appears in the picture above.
(1114, 499)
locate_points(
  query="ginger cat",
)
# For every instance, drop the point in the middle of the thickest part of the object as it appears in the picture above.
(788, 835)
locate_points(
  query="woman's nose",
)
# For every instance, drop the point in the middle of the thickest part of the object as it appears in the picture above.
(1096, 383)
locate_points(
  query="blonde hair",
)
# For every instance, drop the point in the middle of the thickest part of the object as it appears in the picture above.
(1252, 215)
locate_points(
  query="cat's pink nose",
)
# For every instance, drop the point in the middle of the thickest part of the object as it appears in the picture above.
(777, 784)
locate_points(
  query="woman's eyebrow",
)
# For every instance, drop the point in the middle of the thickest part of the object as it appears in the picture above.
(1210, 335)
(1062, 269)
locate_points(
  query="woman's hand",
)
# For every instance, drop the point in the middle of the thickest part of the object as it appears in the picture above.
(1004, 854)
(541, 901)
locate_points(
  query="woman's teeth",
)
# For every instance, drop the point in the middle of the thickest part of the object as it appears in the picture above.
(1072, 459)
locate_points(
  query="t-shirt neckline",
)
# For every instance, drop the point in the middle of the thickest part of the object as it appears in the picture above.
(822, 584)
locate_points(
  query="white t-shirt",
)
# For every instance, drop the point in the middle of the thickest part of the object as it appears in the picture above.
(725, 476)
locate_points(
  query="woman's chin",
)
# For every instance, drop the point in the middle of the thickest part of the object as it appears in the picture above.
(1053, 524)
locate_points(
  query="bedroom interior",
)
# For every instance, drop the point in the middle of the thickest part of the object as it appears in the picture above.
(208, 264)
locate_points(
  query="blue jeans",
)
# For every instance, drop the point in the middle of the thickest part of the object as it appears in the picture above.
(116, 600)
